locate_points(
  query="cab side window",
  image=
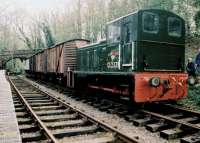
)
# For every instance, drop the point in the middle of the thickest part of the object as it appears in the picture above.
(95, 61)
(127, 33)
(127, 47)
(88, 59)
(150, 22)
(81, 60)
(174, 27)
(114, 32)
(91, 59)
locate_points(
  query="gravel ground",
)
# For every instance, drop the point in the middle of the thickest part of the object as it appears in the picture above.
(111, 119)
(99, 137)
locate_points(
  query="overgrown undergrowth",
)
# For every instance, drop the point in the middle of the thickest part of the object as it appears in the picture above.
(193, 99)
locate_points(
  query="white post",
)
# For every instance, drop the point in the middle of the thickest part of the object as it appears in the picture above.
(133, 55)
(119, 62)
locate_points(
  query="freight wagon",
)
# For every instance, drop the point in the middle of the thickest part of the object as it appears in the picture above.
(57, 62)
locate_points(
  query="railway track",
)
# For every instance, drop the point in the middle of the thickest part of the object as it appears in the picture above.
(172, 122)
(45, 118)
(30, 129)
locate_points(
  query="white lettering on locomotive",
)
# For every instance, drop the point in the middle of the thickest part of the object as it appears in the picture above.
(112, 65)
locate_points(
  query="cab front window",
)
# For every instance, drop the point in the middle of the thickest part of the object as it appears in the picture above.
(174, 27)
(150, 22)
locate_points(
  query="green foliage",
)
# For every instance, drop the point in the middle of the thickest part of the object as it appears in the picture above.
(25, 38)
(197, 15)
(87, 19)
(15, 65)
(39, 43)
(48, 35)
(196, 3)
(28, 43)
(193, 99)
(197, 20)
(113, 10)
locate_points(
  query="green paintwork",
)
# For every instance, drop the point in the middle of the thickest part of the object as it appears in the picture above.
(129, 49)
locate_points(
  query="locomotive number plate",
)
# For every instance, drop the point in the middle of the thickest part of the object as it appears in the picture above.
(112, 65)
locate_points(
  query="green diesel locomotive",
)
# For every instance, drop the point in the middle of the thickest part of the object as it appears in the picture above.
(142, 57)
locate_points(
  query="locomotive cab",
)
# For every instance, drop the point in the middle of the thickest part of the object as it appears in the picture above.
(161, 37)
(146, 37)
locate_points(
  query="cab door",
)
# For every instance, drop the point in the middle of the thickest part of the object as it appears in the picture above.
(127, 45)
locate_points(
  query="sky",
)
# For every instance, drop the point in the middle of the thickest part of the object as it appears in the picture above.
(35, 6)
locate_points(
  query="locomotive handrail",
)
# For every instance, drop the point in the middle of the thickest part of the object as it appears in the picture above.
(132, 45)
(133, 55)
(162, 70)
(119, 62)
(160, 42)
(128, 64)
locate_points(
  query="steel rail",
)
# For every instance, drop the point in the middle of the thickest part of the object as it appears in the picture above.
(43, 127)
(92, 119)
(176, 121)
(176, 107)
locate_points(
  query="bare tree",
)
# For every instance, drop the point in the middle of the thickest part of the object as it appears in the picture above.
(79, 22)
